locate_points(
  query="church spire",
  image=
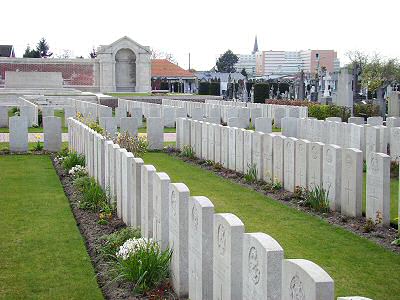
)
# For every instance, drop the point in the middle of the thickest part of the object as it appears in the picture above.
(255, 49)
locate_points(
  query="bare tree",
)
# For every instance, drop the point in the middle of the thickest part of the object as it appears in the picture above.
(157, 54)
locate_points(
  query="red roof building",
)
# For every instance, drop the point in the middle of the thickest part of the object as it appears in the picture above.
(170, 77)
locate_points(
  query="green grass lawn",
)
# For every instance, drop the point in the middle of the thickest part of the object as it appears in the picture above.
(358, 266)
(166, 130)
(42, 254)
(6, 146)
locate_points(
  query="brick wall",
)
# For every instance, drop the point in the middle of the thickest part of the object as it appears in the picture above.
(75, 72)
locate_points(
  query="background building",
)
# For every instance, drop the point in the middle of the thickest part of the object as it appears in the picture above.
(291, 62)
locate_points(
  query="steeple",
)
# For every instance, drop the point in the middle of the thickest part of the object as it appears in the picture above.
(255, 49)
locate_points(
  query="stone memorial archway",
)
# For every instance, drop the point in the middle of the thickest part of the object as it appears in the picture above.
(125, 70)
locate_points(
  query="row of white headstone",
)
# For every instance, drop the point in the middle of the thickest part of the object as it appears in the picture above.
(214, 111)
(213, 257)
(295, 163)
(365, 137)
(19, 134)
(91, 110)
(166, 112)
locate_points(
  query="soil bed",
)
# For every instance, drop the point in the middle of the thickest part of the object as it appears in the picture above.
(92, 232)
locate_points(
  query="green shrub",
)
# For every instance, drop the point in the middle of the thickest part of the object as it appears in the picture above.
(110, 243)
(135, 144)
(204, 88)
(92, 195)
(251, 173)
(188, 152)
(73, 159)
(63, 152)
(146, 265)
(317, 199)
(321, 112)
(214, 89)
(366, 110)
(261, 92)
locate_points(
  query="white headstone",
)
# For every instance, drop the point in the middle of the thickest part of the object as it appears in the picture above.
(18, 134)
(263, 124)
(227, 257)
(247, 150)
(352, 182)
(303, 279)
(178, 237)
(262, 267)
(161, 209)
(314, 169)
(155, 134)
(201, 218)
(278, 153)
(378, 188)
(289, 164)
(130, 125)
(232, 148)
(146, 197)
(331, 177)
(239, 150)
(267, 146)
(301, 155)
(52, 134)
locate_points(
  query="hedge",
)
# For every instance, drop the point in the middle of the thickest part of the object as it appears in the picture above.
(261, 92)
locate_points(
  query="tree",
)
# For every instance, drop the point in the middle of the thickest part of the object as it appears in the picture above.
(66, 53)
(157, 54)
(93, 54)
(226, 62)
(243, 72)
(377, 74)
(43, 48)
(31, 53)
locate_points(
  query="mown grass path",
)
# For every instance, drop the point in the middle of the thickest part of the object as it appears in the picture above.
(42, 254)
(358, 266)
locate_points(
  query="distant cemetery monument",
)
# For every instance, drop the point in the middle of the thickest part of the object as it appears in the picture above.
(123, 66)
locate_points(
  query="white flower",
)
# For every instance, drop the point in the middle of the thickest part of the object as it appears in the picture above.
(78, 170)
(131, 246)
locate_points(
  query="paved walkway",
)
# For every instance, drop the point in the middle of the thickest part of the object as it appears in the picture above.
(33, 137)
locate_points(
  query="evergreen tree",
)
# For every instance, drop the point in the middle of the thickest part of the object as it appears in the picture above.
(43, 48)
(226, 62)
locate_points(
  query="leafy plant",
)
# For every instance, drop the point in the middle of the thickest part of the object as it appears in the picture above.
(93, 197)
(92, 124)
(299, 192)
(73, 159)
(188, 152)
(209, 162)
(251, 173)
(63, 152)
(135, 144)
(218, 166)
(317, 199)
(276, 185)
(110, 243)
(143, 263)
(370, 224)
(38, 145)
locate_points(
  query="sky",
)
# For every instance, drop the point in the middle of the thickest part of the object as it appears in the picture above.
(205, 28)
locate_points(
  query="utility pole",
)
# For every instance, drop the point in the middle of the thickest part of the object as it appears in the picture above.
(189, 61)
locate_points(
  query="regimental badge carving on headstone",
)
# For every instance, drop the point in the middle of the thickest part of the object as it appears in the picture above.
(195, 217)
(221, 239)
(173, 203)
(314, 152)
(296, 289)
(254, 270)
(329, 158)
(348, 160)
(373, 164)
